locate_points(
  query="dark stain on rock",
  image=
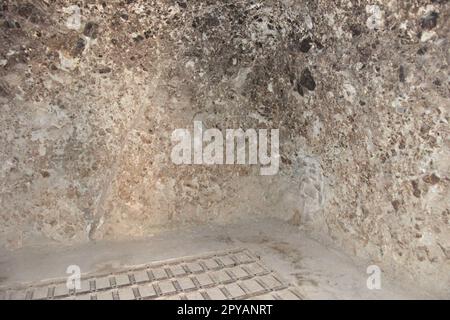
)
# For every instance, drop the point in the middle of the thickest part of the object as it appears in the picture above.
(204, 24)
(297, 44)
(318, 45)
(437, 82)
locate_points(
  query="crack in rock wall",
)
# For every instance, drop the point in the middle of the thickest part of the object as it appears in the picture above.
(91, 91)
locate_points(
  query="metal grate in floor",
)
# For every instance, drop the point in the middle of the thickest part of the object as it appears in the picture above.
(235, 274)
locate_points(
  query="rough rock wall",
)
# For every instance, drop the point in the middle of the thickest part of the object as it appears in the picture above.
(358, 89)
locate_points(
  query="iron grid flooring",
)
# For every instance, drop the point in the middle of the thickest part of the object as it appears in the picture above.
(226, 275)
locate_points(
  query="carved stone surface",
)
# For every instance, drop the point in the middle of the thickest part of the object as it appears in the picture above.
(88, 104)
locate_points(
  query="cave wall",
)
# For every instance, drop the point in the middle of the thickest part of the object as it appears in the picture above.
(358, 89)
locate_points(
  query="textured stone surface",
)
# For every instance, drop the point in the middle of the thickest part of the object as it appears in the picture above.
(358, 90)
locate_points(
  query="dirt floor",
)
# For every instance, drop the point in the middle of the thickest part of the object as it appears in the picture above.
(315, 270)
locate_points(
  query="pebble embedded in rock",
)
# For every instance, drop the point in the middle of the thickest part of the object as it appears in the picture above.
(422, 51)
(431, 179)
(9, 24)
(79, 47)
(103, 70)
(45, 174)
(182, 4)
(26, 10)
(396, 204)
(31, 12)
(416, 190)
(305, 45)
(91, 30)
(356, 30)
(307, 80)
(299, 89)
(3, 91)
(138, 38)
(402, 74)
(148, 34)
(429, 21)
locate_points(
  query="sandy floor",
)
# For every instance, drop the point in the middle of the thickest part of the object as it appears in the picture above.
(320, 272)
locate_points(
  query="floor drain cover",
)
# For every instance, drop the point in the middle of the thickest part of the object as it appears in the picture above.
(235, 274)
